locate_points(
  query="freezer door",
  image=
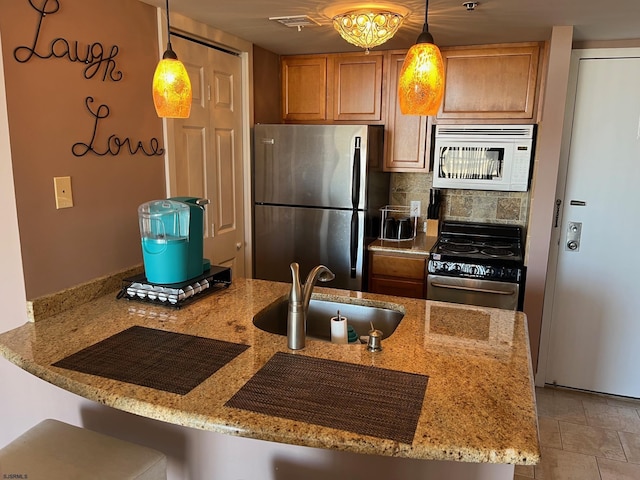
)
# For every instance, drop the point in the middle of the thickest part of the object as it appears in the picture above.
(313, 165)
(309, 236)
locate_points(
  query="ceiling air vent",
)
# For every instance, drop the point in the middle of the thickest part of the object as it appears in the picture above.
(297, 21)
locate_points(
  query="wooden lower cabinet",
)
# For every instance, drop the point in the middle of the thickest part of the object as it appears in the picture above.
(395, 274)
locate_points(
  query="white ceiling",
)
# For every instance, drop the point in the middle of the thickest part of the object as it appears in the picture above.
(493, 21)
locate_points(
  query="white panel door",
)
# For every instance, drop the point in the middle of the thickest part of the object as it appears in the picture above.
(226, 220)
(595, 327)
(208, 150)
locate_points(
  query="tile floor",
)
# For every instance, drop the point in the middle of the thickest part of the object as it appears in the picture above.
(585, 437)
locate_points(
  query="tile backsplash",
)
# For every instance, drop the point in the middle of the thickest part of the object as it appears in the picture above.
(462, 205)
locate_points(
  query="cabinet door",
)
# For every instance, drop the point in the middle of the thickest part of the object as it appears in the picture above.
(407, 136)
(357, 87)
(397, 275)
(304, 87)
(490, 82)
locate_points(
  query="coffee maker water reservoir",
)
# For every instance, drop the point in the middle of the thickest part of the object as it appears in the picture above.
(164, 231)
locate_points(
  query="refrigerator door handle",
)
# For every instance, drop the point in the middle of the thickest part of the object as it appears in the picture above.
(354, 243)
(355, 177)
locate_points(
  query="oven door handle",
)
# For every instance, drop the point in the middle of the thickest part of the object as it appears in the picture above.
(471, 289)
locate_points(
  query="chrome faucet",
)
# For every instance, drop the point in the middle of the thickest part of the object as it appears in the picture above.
(299, 299)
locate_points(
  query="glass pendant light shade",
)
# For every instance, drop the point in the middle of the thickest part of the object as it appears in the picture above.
(367, 29)
(171, 84)
(171, 88)
(421, 84)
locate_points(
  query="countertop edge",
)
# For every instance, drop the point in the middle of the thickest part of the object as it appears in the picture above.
(330, 439)
(362, 444)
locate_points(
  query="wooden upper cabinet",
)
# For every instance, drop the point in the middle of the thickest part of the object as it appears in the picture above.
(357, 87)
(491, 82)
(407, 139)
(304, 87)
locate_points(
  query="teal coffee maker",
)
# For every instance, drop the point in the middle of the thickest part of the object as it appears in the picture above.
(172, 237)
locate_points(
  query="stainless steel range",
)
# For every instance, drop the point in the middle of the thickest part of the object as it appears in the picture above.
(477, 264)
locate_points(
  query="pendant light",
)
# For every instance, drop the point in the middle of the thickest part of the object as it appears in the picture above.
(171, 84)
(421, 84)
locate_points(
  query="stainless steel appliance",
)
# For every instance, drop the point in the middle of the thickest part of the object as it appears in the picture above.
(477, 264)
(483, 157)
(318, 190)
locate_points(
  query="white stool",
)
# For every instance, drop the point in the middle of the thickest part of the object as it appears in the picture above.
(54, 450)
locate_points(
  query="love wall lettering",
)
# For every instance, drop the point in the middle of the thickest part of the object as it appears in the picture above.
(114, 143)
(96, 59)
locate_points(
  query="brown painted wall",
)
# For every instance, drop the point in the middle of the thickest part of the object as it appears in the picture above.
(47, 116)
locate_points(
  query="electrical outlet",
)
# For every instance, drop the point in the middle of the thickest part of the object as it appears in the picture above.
(64, 195)
(415, 208)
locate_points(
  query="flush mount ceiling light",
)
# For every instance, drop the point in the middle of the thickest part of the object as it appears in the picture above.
(421, 83)
(367, 28)
(171, 84)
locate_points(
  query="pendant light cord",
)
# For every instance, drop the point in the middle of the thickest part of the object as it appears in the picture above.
(169, 53)
(425, 36)
(426, 15)
(169, 29)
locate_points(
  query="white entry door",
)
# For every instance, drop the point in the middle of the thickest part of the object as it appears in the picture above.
(208, 160)
(594, 336)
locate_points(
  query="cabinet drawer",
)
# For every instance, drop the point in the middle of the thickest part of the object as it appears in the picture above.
(393, 266)
(398, 288)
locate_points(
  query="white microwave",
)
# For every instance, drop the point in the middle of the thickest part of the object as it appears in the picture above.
(483, 157)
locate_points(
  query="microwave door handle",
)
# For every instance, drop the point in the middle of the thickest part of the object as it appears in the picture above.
(465, 163)
(473, 154)
(486, 167)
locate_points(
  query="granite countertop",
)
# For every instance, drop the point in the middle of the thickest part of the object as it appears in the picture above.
(479, 404)
(419, 246)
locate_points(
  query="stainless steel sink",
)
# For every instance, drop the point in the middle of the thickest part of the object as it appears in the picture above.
(273, 319)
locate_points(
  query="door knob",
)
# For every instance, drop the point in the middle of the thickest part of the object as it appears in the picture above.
(572, 245)
(238, 245)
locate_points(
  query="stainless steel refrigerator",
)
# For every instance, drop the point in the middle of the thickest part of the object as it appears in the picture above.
(318, 190)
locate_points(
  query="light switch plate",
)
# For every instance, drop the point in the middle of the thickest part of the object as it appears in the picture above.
(64, 195)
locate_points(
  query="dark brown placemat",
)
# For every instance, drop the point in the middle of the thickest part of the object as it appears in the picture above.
(173, 362)
(365, 400)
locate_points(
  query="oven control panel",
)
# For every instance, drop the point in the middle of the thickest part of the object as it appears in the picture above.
(474, 270)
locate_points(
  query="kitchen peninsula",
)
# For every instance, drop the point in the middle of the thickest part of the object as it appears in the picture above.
(479, 405)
